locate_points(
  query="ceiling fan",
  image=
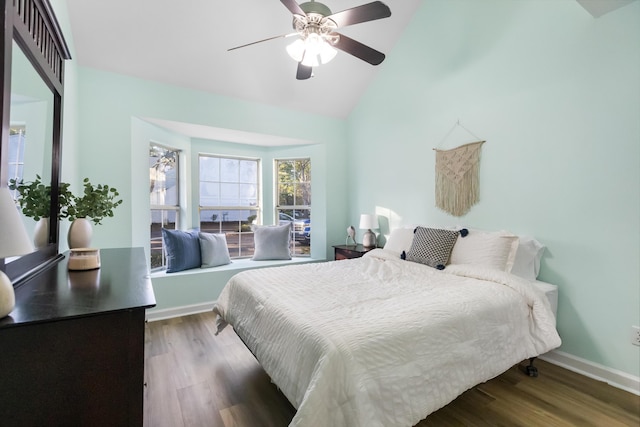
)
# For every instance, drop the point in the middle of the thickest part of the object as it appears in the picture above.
(318, 40)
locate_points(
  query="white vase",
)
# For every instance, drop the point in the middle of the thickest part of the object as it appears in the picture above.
(80, 233)
(7, 296)
(41, 233)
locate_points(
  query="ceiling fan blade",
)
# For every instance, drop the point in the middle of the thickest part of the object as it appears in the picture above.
(366, 12)
(304, 72)
(263, 40)
(359, 50)
(293, 7)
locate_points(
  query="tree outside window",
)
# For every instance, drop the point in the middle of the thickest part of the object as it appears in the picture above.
(293, 204)
(164, 198)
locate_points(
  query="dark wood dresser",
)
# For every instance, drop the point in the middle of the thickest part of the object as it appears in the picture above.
(72, 350)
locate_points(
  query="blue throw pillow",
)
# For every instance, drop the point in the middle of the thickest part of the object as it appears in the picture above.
(182, 248)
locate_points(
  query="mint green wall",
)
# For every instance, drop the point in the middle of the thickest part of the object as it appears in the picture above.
(556, 94)
(114, 136)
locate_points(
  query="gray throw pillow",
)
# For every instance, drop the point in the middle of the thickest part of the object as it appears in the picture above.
(272, 242)
(213, 250)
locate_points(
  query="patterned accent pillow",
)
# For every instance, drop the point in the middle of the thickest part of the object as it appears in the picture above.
(432, 246)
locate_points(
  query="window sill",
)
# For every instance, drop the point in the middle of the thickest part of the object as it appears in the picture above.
(238, 264)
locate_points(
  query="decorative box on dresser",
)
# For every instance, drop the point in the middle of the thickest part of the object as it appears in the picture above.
(72, 350)
(350, 251)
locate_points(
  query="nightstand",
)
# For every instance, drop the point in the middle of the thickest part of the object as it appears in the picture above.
(350, 251)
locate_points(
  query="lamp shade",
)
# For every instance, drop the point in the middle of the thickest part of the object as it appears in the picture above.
(368, 221)
(15, 240)
(312, 51)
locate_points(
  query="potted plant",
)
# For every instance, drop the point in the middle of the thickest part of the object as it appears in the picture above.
(97, 202)
(34, 198)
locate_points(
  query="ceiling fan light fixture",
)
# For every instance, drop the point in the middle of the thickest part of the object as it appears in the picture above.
(312, 51)
(317, 28)
(296, 50)
(317, 51)
(327, 52)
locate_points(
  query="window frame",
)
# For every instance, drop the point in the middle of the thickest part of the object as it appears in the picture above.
(164, 210)
(237, 250)
(16, 164)
(297, 249)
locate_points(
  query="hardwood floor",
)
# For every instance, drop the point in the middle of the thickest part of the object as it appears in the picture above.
(197, 379)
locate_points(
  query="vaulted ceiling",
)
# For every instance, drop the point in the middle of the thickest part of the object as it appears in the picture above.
(185, 43)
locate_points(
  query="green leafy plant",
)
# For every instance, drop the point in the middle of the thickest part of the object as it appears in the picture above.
(34, 198)
(97, 202)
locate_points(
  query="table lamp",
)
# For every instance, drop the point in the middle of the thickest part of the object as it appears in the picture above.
(368, 222)
(14, 241)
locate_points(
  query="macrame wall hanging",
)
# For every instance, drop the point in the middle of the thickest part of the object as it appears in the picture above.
(458, 176)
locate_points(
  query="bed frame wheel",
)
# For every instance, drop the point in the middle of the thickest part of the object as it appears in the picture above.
(531, 370)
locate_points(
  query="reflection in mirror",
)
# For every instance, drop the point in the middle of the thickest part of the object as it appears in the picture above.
(31, 135)
(32, 99)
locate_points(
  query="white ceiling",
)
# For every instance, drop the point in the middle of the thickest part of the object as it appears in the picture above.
(185, 43)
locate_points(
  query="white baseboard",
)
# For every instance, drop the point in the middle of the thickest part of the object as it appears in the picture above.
(613, 377)
(185, 310)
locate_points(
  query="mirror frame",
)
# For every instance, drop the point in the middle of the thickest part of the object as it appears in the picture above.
(33, 26)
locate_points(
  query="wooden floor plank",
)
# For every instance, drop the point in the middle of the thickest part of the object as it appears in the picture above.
(576, 404)
(197, 378)
(198, 406)
(239, 416)
(161, 404)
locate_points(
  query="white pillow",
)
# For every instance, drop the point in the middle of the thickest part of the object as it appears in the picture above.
(490, 249)
(527, 260)
(271, 242)
(399, 240)
(213, 250)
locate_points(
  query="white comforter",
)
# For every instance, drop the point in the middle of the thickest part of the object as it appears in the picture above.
(377, 341)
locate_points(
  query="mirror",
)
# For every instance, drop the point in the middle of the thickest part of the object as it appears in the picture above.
(30, 136)
(31, 110)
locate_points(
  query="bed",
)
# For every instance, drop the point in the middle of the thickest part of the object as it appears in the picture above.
(382, 341)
